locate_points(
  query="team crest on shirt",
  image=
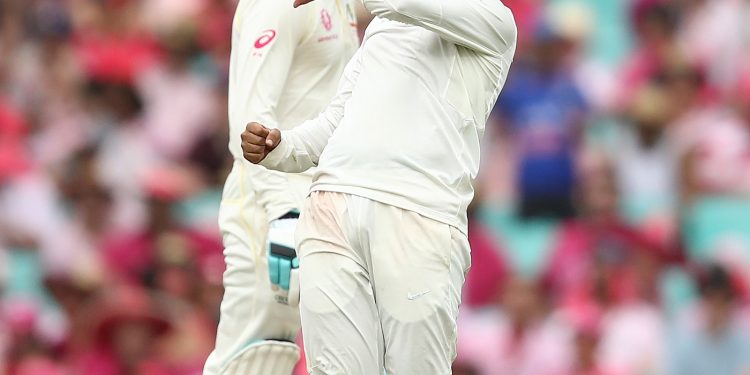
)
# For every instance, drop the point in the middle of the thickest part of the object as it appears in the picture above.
(326, 19)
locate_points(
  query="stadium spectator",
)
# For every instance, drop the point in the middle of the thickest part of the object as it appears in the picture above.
(713, 337)
(542, 110)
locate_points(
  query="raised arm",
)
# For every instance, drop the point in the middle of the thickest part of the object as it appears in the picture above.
(299, 149)
(485, 26)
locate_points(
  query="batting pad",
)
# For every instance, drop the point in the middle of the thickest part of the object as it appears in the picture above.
(265, 358)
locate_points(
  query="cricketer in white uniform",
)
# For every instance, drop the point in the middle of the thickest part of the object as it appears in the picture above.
(382, 237)
(285, 65)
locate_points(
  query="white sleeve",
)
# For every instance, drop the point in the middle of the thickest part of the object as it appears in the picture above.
(267, 36)
(301, 147)
(485, 26)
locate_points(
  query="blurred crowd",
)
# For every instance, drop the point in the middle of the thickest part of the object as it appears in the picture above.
(610, 234)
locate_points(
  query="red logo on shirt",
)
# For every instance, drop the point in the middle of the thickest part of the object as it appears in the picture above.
(265, 39)
(325, 17)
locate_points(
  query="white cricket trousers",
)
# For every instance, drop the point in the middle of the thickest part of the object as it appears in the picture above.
(249, 312)
(380, 287)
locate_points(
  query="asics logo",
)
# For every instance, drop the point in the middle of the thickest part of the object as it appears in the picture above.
(265, 39)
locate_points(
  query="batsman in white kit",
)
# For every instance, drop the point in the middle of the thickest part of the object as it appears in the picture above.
(382, 237)
(284, 69)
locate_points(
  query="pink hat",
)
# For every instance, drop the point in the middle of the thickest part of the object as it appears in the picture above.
(11, 120)
(21, 316)
(170, 183)
(12, 160)
(13, 155)
(584, 315)
(39, 366)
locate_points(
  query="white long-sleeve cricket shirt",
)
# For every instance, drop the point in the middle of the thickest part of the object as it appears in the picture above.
(406, 124)
(284, 68)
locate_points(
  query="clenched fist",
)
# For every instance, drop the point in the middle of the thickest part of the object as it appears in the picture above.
(258, 141)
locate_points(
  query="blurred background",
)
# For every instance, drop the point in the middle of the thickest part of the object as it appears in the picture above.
(610, 234)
